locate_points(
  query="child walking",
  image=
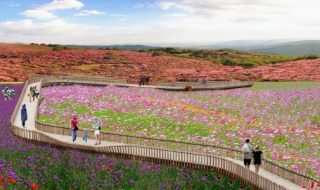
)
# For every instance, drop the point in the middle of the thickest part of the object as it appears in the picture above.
(85, 135)
(96, 127)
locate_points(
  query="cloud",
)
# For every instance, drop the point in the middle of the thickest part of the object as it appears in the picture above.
(13, 4)
(139, 5)
(54, 26)
(45, 11)
(118, 15)
(173, 15)
(213, 9)
(61, 5)
(40, 14)
(249, 19)
(143, 5)
(91, 12)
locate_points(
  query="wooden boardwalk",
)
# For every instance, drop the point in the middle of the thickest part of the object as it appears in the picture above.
(30, 125)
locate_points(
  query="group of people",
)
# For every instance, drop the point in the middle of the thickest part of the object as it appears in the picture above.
(74, 124)
(8, 93)
(34, 93)
(248, 152)
(203, 80)
(144, 80)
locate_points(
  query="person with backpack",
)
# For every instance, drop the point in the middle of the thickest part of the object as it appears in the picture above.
(247, 153)
(24, 115)
(257, 158)
(96, 128)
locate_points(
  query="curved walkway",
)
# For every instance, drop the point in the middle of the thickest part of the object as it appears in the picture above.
(30, 125)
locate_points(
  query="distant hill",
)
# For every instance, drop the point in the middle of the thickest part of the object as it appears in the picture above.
(243, 45)
(18, 62)
(281, 47)
(292, 48)
(123, 47)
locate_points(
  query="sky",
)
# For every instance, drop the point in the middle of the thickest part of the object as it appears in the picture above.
(157, 22)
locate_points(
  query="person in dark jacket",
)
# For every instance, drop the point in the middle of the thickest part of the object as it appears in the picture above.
(257, 158)
(24, 115)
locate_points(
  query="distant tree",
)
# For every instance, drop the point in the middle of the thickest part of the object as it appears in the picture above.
(199, 53)
(312, 57)
(172, 50)
(144, 50)
(228, 62)
(43, 44)
(57, 47)
(116, 48)
(33, 44)
(109, 56)
(157, 53)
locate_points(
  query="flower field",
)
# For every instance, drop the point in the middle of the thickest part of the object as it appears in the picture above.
(283, 121)
(25, 165)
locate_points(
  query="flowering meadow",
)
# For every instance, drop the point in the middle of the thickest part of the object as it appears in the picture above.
(25, 165)
(284, 121)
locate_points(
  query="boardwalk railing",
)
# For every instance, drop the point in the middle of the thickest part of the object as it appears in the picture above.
(210, 85)
(162, 156)
(99, 80)
(64, 80)
(237, 171)
(197, 148)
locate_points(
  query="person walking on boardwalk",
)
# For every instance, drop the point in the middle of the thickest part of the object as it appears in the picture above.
(33, 94)
(85, 135)
(96, 127)
(74, 128)
(24, 115)
(30, 95)
(247, 153)
(140, 80)
(257, 158)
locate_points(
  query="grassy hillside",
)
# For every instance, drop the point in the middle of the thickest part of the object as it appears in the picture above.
(293, 48)
(228, 57)
(122, 47)
(18, 62)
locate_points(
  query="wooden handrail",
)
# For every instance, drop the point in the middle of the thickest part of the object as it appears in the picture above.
(161, 156)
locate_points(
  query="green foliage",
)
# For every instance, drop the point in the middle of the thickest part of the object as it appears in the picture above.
(280, 139)
(312, 56)
(227, 56)
(228, 62)
(144, 50)
(282, 85)
(109, 56)
(57, 47)
(157, 53)
(116, 48)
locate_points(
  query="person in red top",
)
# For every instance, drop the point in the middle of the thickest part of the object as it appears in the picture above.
(74, 126)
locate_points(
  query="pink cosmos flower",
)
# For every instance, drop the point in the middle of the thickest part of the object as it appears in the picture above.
(294, 167)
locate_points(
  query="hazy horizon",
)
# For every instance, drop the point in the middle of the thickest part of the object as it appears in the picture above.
(157, 22)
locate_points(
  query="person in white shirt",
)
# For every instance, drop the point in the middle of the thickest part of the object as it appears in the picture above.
(247, 153)
(96, 127)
